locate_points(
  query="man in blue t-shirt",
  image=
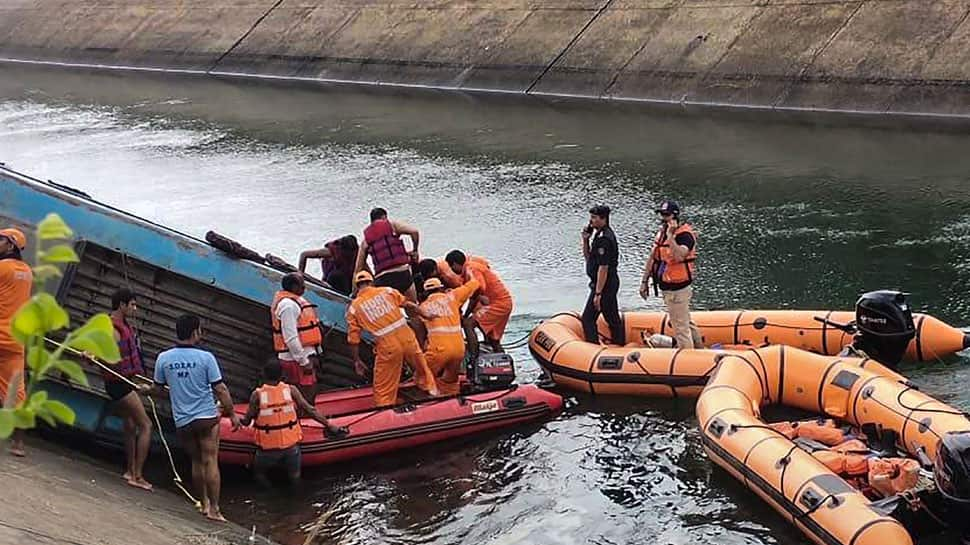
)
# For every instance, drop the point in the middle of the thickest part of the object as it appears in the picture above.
(192, 376)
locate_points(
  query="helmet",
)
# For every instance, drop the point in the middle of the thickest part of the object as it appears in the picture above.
(16, 236)
(433, 284)
(363, 276)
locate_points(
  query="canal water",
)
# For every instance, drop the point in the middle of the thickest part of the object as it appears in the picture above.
(788, 215)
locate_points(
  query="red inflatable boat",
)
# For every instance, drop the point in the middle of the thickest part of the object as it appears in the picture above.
(376, 431)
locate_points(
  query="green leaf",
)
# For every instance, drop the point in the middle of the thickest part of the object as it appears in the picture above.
(6, 423)
(62, 253)
(24, 419)
(39, 316)
(46, 417)
(37, 400)
(43, 273)
(97, 338)
(60, 411)
(53, 228)
(37, 358)
(72, 370)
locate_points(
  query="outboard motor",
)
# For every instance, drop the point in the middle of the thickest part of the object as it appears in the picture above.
(951, 471)
(491, 371)
(884, 326)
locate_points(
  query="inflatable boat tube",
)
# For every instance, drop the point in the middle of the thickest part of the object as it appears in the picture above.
(572, 363)
(376, 431)
(820, 503)
(798, 328)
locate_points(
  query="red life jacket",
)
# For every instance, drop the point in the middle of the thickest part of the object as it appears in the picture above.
(131, 361)
(384, 246)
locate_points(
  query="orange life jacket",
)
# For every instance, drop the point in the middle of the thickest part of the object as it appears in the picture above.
(307, 325)
(890, 476)
(277, 426)
(673, 270)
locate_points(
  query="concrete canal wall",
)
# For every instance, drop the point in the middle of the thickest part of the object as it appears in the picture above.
(903, 56)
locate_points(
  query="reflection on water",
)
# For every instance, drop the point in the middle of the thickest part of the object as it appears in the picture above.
(788, 216)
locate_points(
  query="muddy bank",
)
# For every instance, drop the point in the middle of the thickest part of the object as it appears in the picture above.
(863, 56)
(56, 496)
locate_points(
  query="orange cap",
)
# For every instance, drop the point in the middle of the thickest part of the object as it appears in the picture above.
(433, 284)
(16, 236)
(363, 276)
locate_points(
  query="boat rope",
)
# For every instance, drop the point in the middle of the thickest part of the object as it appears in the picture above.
(177, 478)
(899, 400)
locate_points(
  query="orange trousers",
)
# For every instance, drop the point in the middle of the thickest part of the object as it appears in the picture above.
(494, 318)
(445, 356)
(390, 353)
(12, 364)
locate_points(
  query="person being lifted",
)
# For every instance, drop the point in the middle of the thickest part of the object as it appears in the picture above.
(297, 338)
(445, 347)
(337, 261)
(377, 310)
(672, 270)
(602, 254)
(390, 259)
(273, 413)
(491, 306)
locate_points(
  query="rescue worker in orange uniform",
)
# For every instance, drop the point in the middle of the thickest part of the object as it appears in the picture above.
(671, 267)
(297, 337)
(491, 306)
(377, 310)
(16, 281)
(273, 413)
(445, 349)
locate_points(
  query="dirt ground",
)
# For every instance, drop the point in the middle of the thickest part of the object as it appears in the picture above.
(57, 497)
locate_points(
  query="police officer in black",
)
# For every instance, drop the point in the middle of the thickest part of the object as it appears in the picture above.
(602, 255)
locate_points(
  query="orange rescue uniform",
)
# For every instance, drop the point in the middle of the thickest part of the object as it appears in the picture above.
(16, 281)
(446, 346)
(448, 276)
(493, 318)
(377, 310)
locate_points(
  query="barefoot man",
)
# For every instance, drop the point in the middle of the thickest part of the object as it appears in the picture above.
(192, 376)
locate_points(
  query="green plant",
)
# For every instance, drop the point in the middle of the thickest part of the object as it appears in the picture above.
(42, 316)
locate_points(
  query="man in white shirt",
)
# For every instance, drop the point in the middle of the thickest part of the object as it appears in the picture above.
(297, 337)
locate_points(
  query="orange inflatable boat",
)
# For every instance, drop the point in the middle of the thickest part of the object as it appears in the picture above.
(572, 363)
(810, 485)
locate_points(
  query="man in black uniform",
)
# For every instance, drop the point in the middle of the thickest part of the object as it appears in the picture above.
(602, 255)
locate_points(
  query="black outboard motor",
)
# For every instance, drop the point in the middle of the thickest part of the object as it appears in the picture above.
(951, 471)
(491, 371)
(884, 325)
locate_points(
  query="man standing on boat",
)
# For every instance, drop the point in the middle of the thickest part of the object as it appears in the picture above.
(445, 346)
(16, 281)
(391, 260)
(671, 268)
(273, 413)
(602, 255)
(377, 310)
(194, 380)
(117, 383)
(297, 337)
(491, 306)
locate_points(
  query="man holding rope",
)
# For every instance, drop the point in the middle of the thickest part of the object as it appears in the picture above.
(118, 385)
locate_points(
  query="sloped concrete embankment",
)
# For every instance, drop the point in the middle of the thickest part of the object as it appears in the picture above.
(900, 56)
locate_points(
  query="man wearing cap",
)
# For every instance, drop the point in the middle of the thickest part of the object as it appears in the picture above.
(602, 255)
(16, 281)
(671, 267)
(377, 310)
(445, 350)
